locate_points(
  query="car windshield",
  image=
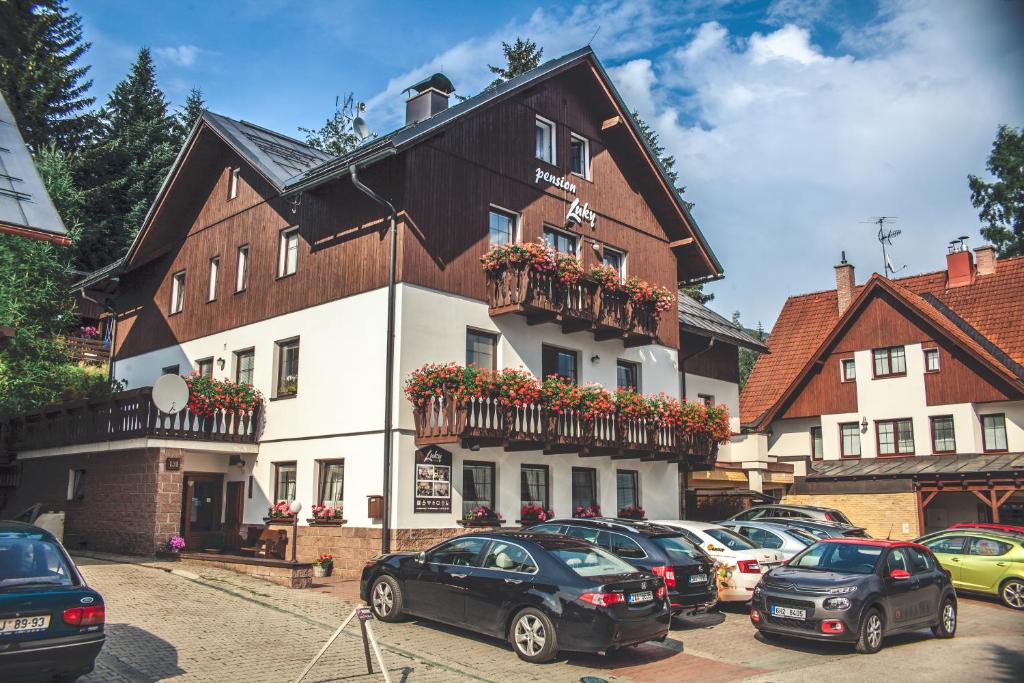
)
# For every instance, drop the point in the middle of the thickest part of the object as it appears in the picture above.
(804, 537)
(591, 561)
(32, 561)
(730, 539)
(678, 548)
(848, 558)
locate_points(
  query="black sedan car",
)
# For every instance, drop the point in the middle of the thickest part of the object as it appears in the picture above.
(817, 528)
(541, 592)
(688, 571)
(858, 591)
(51, 622)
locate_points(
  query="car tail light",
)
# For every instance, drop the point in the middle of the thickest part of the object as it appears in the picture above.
(749, 566)
(93, 615)
(603, 599)
(832, 626)
(755, 616)
(667, 573)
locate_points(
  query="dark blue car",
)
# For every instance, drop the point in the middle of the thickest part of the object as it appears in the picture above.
(51, 622)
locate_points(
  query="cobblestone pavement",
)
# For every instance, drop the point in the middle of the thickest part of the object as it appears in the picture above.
(185, 622)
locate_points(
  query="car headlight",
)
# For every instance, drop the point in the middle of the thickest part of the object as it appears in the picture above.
(842, 590)
(837, 603)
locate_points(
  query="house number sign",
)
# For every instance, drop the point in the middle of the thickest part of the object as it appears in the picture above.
(173, 464)
(433, 485)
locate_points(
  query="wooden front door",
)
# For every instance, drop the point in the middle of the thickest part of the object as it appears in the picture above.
(201, 505)
(234, 507)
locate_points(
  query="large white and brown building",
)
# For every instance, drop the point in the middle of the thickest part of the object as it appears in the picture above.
(265, 261)
(901, 401)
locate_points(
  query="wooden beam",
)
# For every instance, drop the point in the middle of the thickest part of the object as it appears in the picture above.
(995, 507)
(920, 511)
(611, 123)
(1002, 499)
(928, 499)
(680, 243)
(982, 498)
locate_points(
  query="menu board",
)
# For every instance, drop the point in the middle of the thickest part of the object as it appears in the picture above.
(433, 485)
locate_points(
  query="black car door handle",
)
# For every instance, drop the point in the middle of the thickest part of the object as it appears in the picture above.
(515, 581)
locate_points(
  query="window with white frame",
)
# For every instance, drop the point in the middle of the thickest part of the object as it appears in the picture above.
(241, 272)
(502, 226)
(284, 481)
(817, 444)
(613, 258)
(204, 367)
(931, 360)
(287, 383)
(211, 292)
(76, 484)
(481, 349)
(895, 437)
(561, 241)
(177, 291)
(245, 362)
(331, 487)
(545, 141)
(889, 362)
(993, 432)
(288, 252)
(233, 183)
(943, 434)
(579, 155)
(849, 369)
(849, 440)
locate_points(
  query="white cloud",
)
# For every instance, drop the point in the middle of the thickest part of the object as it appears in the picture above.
(180, 55)
(789, 42)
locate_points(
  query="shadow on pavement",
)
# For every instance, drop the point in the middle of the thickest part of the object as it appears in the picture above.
(137, 655)
(1009, 663)
(828, 649)
(696, 621)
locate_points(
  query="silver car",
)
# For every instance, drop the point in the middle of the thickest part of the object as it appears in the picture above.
(787, 540)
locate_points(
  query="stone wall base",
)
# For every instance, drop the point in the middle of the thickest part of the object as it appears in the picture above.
(299, 576)
(883, 515)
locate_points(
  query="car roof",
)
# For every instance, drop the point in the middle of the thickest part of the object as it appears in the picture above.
(756, 523)
(979, 533)
(11, 528)
(639, 527)
(876, 542)
(543, 539)
(687, 524)
(987, 527)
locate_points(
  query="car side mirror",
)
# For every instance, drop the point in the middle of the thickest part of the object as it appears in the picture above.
(899, 574)
(421, 557)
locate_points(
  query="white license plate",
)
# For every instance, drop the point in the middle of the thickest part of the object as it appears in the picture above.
(788, 612)
(645, 596)
(699, 578)
(39, 622)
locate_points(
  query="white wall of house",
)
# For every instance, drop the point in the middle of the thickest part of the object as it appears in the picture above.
(727, 393)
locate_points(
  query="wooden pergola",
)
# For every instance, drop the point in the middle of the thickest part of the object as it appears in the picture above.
(991, 488)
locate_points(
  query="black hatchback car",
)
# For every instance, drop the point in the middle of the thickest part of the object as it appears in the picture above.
(51, 622)
(858, 591)
(688, 571)
(541, 592)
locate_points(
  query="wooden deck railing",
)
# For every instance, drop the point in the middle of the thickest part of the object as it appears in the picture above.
(533, 426)
(583, 306)
(125, 415)
(93, 351)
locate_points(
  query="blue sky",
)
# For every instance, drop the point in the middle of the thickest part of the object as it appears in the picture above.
(791, 121)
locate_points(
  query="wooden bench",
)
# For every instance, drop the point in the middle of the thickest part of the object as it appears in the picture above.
(271, 543)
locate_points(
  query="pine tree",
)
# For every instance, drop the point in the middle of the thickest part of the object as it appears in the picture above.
(1002, 202)
(40, 45)
(122, 172)
(747, 357)
(187, 116)
(336, 136)
(520, 57)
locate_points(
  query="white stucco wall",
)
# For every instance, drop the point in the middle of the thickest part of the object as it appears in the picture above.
(727, 393)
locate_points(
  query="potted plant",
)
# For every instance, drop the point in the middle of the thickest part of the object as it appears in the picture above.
(323, 565)
(481, 515)
(171, 548)
(632, 512)
(587, 511)
(326, 515)
(280, 513)
(531, 513)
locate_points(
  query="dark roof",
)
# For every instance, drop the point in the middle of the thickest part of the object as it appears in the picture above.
(697, 318)
(869, 468)
(25, 206)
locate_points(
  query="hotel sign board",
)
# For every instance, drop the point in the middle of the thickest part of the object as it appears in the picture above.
(579, 212)
(433, 486)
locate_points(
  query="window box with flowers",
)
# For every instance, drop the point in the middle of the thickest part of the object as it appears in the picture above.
(324, 515)
(532, 513)
(633, 512)
(587, 511)
(280, 513)
(323, 565)
(532, 276)
(480, 516)
(223, 406)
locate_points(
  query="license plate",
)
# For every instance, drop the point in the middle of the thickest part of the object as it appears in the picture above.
(39, 622)
(699, 578)
(645, 596)
(788, 612)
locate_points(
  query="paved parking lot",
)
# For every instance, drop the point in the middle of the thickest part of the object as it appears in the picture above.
(184, 622)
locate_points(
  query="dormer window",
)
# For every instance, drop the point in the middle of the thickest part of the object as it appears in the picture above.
(233, 183)
(545, 140)
(579, 155)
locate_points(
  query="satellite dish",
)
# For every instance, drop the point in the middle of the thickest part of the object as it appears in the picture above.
(170, 394)
(359, 126)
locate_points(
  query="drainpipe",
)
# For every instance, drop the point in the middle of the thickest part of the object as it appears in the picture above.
(389, 368)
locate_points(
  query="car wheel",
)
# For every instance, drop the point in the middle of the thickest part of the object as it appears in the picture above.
(946, 628)
(533, 636)
(1012, 593)
(872, 629)
(386, 599)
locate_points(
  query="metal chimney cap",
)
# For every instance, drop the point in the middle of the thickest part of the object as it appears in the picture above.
(438, 82)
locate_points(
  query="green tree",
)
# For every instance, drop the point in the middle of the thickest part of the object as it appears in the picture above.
(187, 116)
(748, 357)
(57, 168)
(40, 47)
(1002, 202)
(336, 137)
(122, 171)
(520, 57)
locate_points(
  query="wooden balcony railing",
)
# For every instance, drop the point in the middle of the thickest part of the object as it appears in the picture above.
(92, 351)
(533, 427)
(125, 415)
(583, 306)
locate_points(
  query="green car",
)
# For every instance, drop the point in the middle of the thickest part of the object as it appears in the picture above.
(982, 562)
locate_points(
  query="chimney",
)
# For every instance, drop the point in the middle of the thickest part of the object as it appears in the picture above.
(846, 286)
(959, 264)
(429, 97)
(985, 259)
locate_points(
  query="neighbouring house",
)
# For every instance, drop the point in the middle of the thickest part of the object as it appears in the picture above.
(709, 348)
(266, 262)
(901, 401)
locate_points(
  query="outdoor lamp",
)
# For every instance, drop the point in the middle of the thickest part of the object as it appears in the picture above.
(864, 423)
(296, 507)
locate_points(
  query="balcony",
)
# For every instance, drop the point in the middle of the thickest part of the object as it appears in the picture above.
(578, 307)
(483, 422)
(89, 351)
(126, 415)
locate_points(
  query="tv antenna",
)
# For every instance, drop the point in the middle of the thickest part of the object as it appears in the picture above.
(359, 126)
(885, 236)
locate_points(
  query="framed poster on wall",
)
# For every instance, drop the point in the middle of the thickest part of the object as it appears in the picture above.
(433, 485)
